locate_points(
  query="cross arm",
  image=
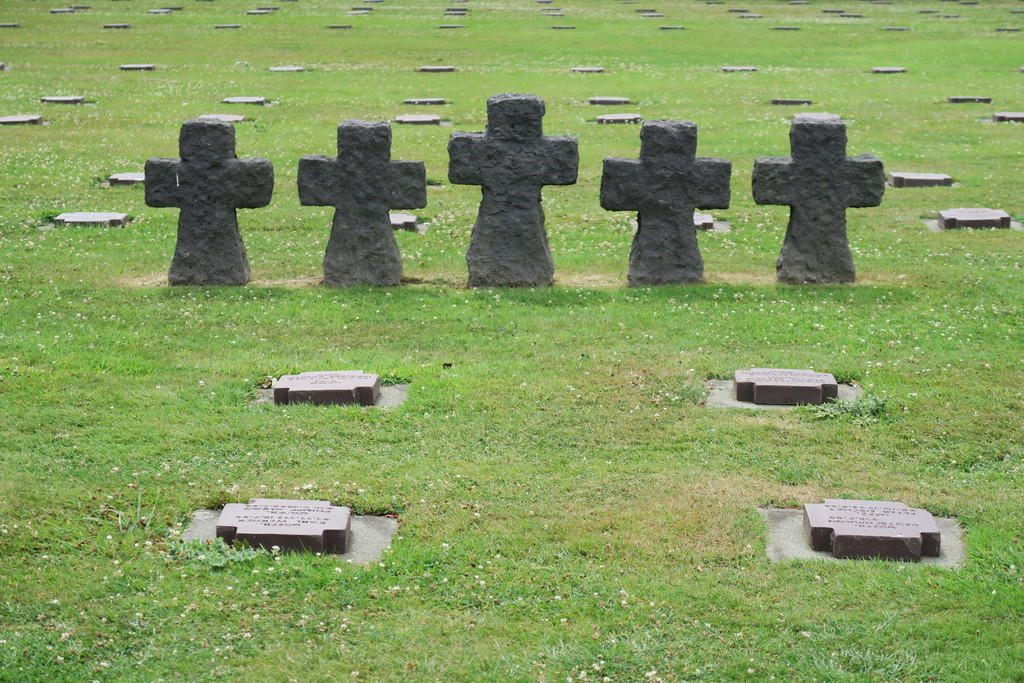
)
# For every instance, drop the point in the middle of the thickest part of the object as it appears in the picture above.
(316, 180)
(865, 180)
(162, 182)
(710, 184)
(772, 180)
(562, 160)
(622, 186)
(252, 182)
(408, 185)
(463, 162)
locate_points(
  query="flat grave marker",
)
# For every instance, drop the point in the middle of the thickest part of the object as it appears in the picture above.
(109, 218)
(778, 386)
(259, 101)
(227, 26)
(312, 526)
(72, 99)
(452, 26)
(426, 101)
(785, 28)
(1011, 116)
(1008, 29)
(901, 179)
(126, 179)
(619, 118)
(339, 26)
(609, 100)
(587, 69)
(287, 69)
(117, 26)
(672, 28)
(10, 24)
(736, 69)
(973, 218)
(789, 102)
(137, 67)
(867, 529)
(895, 28)
(328, 388)
(21, 120)
(962, 99)
(435, 69)
(889, 70)
(418, 119)
(226, 118)
(564, 28)
(404, 221)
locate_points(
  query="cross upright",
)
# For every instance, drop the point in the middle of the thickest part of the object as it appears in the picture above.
(664, 186)
(362, 183)
(511, 162)
(208, 183)
(819, 182)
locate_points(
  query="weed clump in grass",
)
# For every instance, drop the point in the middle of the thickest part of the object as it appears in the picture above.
(864, 410)
(214, 553)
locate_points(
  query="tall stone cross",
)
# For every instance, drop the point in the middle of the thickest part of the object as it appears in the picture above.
(511, 162)
(819, 182)
(362, 183)
(208, 183)
(664, 186)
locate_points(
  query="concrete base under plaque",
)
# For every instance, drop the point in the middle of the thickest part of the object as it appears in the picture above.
(786, 540)
(368, 537)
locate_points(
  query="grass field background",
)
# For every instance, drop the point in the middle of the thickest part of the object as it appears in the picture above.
(569, 507)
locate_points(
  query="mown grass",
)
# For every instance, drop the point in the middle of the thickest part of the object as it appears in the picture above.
(569, 507)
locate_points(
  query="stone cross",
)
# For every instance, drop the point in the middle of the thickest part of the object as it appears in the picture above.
(512, 161)
(819, 182)
(362, 183)
(665, 185)
(208, 183)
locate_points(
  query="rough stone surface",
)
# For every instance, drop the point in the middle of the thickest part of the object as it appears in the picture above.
(819, 182)
(328, 388)
(776, 386)
(868, 529)
(312, 526)
(899, 179)
(362, 183)
(111, 218)
(126, 179)
(208, 183)
(511, 162)
(973, 218)
(664, 186)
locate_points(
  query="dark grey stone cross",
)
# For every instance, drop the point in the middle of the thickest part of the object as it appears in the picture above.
(511, 162)
(362, 184)
(819, 182)
(664, 186)
(208, 183)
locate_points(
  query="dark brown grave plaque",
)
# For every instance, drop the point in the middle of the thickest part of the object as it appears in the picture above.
(868, 529)
(973, 218)
(1014, 116)
(775, 386)
(962, 99)
(426, 100)
(328, 388)
(126, 179)
(313, 526)
(785, 101)
(609, 100)
(899, 179)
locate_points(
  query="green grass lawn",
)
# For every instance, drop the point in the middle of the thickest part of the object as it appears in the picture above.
(569, 508)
